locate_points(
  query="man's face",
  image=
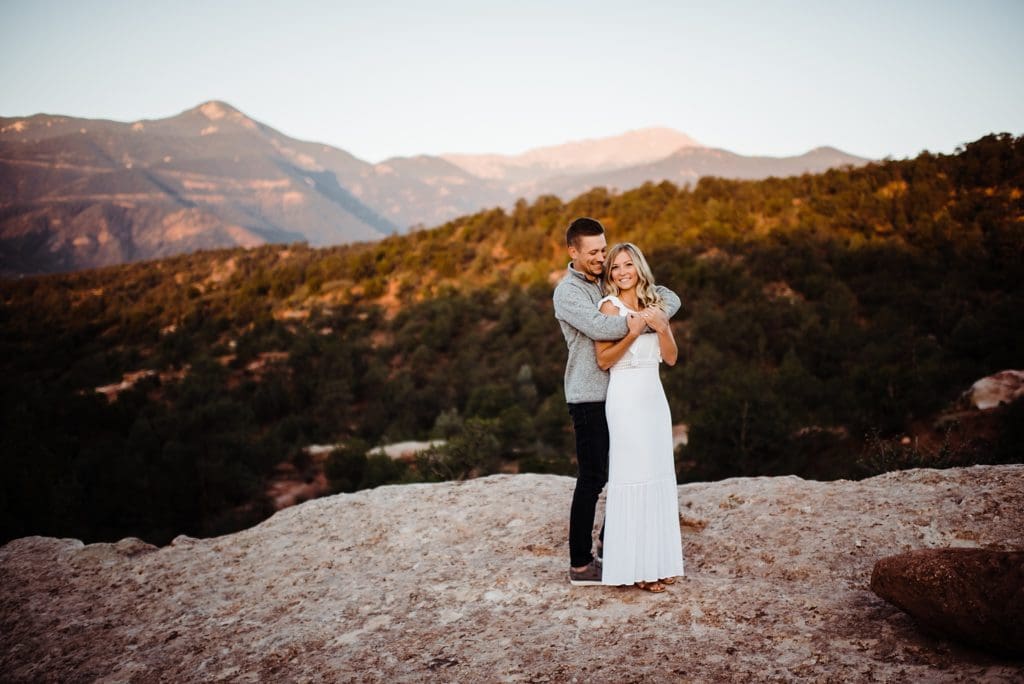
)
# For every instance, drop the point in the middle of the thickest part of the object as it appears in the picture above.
(588, 255)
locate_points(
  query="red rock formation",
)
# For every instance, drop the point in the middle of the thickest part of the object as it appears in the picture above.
(971, 595)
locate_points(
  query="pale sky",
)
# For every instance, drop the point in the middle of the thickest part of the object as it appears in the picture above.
(401, 78)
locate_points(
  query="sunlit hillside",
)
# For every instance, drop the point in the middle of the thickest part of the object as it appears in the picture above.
(825, 318)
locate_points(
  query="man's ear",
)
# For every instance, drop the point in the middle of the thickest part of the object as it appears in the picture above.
(573, 252)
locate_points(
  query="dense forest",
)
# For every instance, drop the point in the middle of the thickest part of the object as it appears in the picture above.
(826, 318)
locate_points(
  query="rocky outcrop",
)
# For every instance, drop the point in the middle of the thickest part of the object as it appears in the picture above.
(406, 451)
(466, 581)
(1004, 387)
(972, 595)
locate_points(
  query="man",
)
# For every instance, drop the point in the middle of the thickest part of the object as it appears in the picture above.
(586, 385)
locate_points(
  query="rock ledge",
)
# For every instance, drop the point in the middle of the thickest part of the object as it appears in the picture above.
(465, 581)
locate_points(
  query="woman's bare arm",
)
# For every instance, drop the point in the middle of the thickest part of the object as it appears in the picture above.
(666, 340)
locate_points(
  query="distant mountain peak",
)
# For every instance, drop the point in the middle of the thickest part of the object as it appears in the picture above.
(217, 113)
(214, 110)
(652, 137)
(588, 155)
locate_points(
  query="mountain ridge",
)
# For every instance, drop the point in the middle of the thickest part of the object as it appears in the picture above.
(78, 193)
(584, 155)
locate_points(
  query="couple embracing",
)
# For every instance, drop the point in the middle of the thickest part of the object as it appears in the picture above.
(616, 325)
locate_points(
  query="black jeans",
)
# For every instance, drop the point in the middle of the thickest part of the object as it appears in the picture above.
(591, 428)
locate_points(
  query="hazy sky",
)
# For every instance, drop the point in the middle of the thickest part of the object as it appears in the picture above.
(401, 78)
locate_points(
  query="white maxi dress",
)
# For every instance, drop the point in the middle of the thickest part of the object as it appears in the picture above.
(641, 538)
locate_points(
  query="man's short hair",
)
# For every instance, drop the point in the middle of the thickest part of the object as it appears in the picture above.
(583, 226)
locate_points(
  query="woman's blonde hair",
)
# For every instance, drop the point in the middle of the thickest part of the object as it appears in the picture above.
(645, 292)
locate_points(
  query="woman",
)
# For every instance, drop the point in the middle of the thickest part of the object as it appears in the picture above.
(642, 545)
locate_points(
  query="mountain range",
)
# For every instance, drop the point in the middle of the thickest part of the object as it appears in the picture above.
(80, 193)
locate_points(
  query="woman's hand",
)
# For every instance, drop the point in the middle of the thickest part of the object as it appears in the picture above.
(657, 319)
(636, 324)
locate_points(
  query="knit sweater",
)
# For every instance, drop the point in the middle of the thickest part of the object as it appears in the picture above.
(576, 309)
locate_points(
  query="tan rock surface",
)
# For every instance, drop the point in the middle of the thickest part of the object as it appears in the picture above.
(466, 582)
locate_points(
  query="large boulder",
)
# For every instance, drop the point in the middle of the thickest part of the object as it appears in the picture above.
(975, 596)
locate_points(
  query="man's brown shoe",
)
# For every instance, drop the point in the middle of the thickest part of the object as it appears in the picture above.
(588, 576)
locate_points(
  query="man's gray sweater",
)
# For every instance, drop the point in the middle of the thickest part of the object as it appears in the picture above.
(582, 323)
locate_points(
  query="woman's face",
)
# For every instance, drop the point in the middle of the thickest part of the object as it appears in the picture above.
(623, 272)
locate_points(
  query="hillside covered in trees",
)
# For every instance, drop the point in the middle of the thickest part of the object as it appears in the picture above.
(825, 317)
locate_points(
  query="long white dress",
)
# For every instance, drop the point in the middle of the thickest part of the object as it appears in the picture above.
(641, 538)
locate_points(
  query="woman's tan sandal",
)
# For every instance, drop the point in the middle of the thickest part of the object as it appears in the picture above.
(668, 580)
(653, 587)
